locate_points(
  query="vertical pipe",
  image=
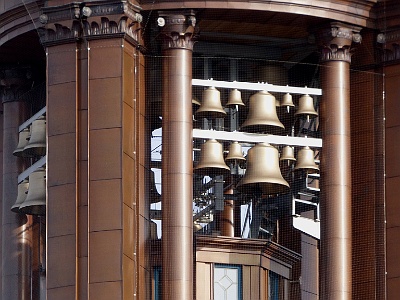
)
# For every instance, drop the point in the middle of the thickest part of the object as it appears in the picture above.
(336, 265)
(177, 224)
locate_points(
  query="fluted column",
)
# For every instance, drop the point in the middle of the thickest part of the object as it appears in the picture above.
(177, 193)
(336, 251)
(16, 228)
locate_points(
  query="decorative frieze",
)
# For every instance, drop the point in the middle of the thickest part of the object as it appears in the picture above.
(336, 41)
(178, 29)
(90, 20)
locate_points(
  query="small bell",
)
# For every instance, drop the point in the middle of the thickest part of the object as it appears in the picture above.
(211, 161)
(37, 143)
(22, 142)
(287, 154)
(22, 193)
(35, 202)
(211, 107)
(154, 194)
(235, 98)
(287, 101)
(305, 160)
(306, 107)
(235, 154)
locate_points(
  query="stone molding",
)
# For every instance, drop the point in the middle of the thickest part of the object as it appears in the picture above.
(90, 20)
(389, 45)
(14, 83)
(336, 41)
(178, 29)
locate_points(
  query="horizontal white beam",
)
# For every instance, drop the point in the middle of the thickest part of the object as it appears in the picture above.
(31, 119)
(257, 87)
(255, 138)
(25, 174)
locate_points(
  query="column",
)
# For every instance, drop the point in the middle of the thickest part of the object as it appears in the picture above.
(177, 193)
(16, 228)
(98, 219)
(336, 227)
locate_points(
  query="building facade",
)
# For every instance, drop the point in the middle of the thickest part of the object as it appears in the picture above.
(200, 149)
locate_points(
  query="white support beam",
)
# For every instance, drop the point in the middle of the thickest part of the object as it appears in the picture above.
(25, 174)
(257, 87)
(31, 119)
(255, 138)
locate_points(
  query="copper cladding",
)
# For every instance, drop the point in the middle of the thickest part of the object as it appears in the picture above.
(263, 173)
(262, 116)
(336, 228)
(177, 178)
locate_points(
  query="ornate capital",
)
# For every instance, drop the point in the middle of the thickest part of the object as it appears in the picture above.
(336, 41)
(14, 83)
(389, 45)
(178, 29)
(90, 20)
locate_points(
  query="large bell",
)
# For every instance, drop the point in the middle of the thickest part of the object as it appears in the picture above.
(211, 161)
(235, 98)
(263, 175)
(37, 143)
(22, 142)
(306, 107)
(211, 107)
(305, 160)
(262, 115)
(287, 154)
(21, 197)
(235, 154)
(35, 202)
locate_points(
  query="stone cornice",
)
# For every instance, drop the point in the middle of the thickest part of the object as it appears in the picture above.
(336, 40)
(178, 29)
(90, 20)
(357, 12)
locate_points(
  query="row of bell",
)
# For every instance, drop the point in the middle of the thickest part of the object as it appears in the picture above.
(32, 140)
(262, 116)
(31, 199)
(262, 167)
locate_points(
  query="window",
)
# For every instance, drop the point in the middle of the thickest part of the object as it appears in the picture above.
(273, 286)
(227, 282)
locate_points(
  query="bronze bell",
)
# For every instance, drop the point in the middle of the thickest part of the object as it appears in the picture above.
(305, 160)
(262, 115)
(306, 107)
(211, 107)
(287, 101)
(263, 175)
(37, 143)
(235, 98)
(35, 202)
(211, 161)
(287, 154)
(154, 194)
(196, 226)
(22, 192)
(235, 154)
(22, 142)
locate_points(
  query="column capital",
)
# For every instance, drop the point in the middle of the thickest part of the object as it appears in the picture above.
(14, 82)
(178, 29)
(389, 44)
(90, 20)
(336, 40)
